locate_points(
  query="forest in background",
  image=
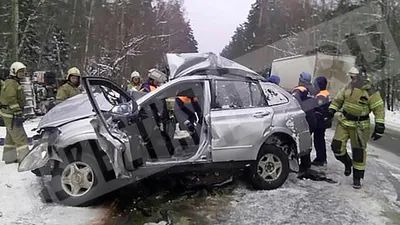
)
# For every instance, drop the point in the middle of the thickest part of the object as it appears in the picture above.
(108, 38)
(271, 21)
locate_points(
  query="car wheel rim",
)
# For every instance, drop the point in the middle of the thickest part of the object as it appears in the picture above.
(269, 167)
(77, 179)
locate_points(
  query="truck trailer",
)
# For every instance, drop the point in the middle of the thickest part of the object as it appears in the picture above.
(333, 67)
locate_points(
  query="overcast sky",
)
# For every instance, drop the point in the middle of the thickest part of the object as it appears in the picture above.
(214, 21)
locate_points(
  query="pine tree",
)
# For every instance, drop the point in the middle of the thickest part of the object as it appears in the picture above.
(57, 52)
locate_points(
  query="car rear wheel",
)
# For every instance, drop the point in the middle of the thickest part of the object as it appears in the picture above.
(75, 179)
(271, 168)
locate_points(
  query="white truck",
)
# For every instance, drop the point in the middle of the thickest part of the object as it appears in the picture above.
(333, 67)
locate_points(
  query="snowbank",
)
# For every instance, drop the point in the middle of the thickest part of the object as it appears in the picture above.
(20, 203)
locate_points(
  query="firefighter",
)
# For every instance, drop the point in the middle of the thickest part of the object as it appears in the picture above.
(356, 101)
(12, 100)
(308, 105)
(323, 121)
(71, 87)
(274, 79)
(135, 82)
(152, 83)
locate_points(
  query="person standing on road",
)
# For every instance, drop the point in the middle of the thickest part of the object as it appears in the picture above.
(12, 101)
(71, 87)
(323, 122)
(356, 100)
(308, 105)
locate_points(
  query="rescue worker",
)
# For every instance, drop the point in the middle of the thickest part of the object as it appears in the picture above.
(135, 81)
(323, 121)
(71, 87)
(308, 105)
(274, 79)
(12, 100)
(356, 101)
(152, 83)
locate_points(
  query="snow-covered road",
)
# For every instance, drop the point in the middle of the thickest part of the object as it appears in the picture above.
(297, 202)
(319, 202)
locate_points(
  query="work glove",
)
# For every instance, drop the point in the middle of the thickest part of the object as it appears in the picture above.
(190, 126)
(378, 131)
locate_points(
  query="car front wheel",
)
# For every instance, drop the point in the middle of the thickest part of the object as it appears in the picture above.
(75, 179)
(271, 168)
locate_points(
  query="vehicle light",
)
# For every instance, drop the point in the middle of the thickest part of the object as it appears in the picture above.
(36, 158)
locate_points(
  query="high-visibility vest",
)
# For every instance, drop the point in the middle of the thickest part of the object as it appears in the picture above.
(186, 99)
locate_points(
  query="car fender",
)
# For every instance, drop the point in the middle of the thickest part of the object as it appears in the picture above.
(75, 132)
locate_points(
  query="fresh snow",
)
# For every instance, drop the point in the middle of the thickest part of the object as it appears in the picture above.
(297, 202)
(20, 201)
(392, 119)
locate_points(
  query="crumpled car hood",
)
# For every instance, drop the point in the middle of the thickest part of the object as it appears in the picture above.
(72, 109)
(185, 64)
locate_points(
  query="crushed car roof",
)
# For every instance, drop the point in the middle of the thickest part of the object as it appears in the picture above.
(188, 64)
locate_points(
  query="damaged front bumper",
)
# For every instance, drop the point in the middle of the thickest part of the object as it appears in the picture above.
(41, 152)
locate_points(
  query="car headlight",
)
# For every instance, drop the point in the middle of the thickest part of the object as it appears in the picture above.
(36, 158)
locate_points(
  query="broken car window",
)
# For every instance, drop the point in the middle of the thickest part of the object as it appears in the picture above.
(274, 96)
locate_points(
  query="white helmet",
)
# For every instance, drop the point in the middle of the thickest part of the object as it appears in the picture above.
(15, 67)
(353, 72)
(135, 74)
(157, 75)
(73, 72)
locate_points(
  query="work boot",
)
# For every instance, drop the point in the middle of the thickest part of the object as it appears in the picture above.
(318, 163)
(357, 176)
(347, 161)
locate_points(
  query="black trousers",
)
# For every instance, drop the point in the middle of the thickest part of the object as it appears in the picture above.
(305, 161)
(319, 144)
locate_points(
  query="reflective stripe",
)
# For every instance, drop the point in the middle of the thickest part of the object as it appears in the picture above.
(9, 146)
(23, 147)
(15, 106)
(376, 104)
(334, 107)
(354, 106)
(379, 120)
(324, 93)
(6, 115)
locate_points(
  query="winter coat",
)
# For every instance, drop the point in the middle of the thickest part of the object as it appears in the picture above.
(323, 102)
(133, 86)
(12, 98)
(147, 87)
(66, 91)
(357, 101)
(308, 105)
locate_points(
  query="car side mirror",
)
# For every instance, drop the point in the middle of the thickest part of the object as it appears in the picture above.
(126, 108)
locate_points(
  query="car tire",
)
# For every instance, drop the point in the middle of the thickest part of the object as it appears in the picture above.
(271, 168)
(86, 179)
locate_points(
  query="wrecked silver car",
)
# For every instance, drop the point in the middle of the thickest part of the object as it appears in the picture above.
(211, 115)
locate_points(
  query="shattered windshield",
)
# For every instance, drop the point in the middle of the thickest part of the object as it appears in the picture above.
(219, 112)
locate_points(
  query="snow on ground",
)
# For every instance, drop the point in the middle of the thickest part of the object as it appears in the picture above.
(319, 202)
(392, 119)
(20, 201)
(21, 204)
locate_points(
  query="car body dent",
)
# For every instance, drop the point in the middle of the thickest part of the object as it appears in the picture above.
(286, 118)
(75, 132)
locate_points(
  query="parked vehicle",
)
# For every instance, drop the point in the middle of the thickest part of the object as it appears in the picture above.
(100, 141)
(333, 67)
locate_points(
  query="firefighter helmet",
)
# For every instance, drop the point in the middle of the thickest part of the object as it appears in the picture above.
(73, 72)
(353, 71)
(15, 67)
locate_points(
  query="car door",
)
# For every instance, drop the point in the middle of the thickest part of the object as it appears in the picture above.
(240, 118)
(113, 123)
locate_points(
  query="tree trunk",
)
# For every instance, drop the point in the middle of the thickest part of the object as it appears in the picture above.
(15, 21)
